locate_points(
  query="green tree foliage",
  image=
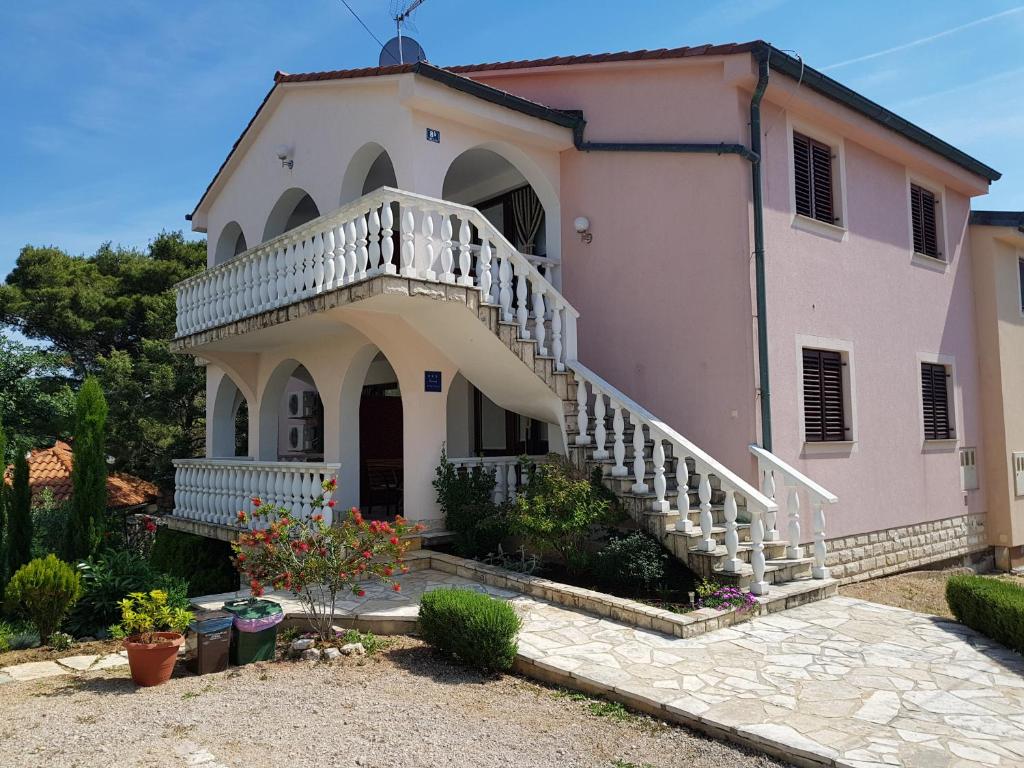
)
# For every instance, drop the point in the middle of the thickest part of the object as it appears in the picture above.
(111, 314)
(19, 516)
(3, 508)
(86, 522)
(36, 400)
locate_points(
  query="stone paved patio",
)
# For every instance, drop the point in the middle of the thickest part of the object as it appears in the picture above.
(837, 682)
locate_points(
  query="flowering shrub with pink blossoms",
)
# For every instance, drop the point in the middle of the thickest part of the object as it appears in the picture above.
(315, 560)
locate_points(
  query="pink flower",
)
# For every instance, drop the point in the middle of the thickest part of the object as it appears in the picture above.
(396, 587)
(331, 503)
(256, 501)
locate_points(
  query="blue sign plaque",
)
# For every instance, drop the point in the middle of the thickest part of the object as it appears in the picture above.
(431, 381)
(434, 135)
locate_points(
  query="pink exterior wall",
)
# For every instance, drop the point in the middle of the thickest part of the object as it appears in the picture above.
(868, 290)
(664, 289)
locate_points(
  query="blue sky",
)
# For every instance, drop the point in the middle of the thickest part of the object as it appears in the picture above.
(119, 112)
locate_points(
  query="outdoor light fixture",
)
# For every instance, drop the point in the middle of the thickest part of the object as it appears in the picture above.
(582, 225)
(284, 154)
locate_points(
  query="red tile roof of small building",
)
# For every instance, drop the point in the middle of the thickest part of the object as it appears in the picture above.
(51, 468)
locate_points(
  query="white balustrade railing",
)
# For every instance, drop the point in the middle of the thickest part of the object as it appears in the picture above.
(778, 479)
(358, 241)
(509, 474)
(646, 427)
(216, 490)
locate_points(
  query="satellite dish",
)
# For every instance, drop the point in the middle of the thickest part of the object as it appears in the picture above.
(401, 50)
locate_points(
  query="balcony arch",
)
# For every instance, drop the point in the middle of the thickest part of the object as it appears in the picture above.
(512, 192)
(291, 415)
(229, 420)
(230, 243)
(293, 208)
(370, 168)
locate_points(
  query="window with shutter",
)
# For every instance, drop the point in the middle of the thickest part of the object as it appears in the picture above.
(824, 397)
(923, 217)
(935, 401)
(812, 182)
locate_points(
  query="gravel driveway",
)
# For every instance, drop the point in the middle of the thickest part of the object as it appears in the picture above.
(403, 707)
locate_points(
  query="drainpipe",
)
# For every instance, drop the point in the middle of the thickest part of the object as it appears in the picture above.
(753, 155)
(755, 186)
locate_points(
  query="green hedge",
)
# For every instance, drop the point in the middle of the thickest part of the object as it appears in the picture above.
(992, 606)
(204, 563)
(476, 628)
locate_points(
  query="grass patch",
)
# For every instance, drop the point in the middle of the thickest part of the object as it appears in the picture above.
(597, 707)
(617, 763)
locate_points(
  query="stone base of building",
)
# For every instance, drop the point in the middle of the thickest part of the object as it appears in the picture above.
(956, 540)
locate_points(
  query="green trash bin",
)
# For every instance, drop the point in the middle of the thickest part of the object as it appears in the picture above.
(254, 630)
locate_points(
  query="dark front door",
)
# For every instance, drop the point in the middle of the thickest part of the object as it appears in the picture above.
(380, 450)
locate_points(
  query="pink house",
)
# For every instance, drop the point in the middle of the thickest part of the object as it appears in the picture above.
(740, 288)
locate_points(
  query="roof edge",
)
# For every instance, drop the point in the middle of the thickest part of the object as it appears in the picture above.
(998, 219)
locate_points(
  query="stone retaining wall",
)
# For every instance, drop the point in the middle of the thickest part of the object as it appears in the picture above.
(882, 553)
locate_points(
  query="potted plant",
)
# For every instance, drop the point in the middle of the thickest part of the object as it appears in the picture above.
(152, 632)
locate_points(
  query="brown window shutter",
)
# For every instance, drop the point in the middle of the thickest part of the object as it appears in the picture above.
(824, 407)
(821, 160)
(802, 180)
(935, 402)
(924, 221)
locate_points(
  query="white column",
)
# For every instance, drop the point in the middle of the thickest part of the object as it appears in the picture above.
(619, 444)
(707, 544)
(758, 586)
(818, 570)
(794, 550)
(639, 459)
(732, 541)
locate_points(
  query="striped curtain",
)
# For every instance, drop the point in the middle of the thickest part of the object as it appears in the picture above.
(527, 215)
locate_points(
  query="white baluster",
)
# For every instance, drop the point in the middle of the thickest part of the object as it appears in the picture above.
(600, 433)
(281, 260)
(249, 279)
(539, 332)
(706, 522)
(771, 533)
(639, 457)
(408, 248)
(387, 245)
(522, 312)
(427, 271)
(500, 481)
(291, 270)
(659, 505)
(582, 437)
(264, 278)
(684, 524)
(794, 550)
(732, 540)
(619, 446)
(447, 259)
(329, 259)
(339, 255)
(306, 285)
(465, 254)
(483, 271)
(758, 586)
(362, 255)
(512, 481)
(306, 491)
(556, 335)
(318, 263)
(350, 251)
(374, 267)
(505, 285)
(819, 570)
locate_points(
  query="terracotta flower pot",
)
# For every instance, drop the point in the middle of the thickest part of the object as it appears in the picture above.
(153, 663)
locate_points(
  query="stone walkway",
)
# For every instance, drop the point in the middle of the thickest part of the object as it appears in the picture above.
(69, 665)
(837, 682)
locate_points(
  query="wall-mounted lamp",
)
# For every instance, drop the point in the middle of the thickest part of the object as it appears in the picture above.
(284, 154)
(582, 225)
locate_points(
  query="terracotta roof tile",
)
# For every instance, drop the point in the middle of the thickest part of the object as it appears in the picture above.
(51, 468)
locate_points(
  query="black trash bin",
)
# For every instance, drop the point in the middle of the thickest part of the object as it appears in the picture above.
(208, 642)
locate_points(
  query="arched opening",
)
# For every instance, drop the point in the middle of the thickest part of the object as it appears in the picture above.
(230, 421)
(230, 243)
(370, 168)
(381, 476)
(291, 416)
(293, 209)
(487, 181)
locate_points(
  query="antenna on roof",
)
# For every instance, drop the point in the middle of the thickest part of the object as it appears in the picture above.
(401, 16)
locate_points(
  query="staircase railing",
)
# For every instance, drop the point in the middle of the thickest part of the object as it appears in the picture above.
(758, 504)
(777, 475)
(509, 477)
(358, 241)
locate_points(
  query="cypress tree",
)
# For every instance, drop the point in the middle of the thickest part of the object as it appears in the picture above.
(19, 516)
(87, 518)
(3, 509)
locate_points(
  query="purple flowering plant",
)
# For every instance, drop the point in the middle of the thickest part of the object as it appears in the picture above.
(712, 595)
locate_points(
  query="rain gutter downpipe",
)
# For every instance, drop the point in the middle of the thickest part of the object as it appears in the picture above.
(753, 156)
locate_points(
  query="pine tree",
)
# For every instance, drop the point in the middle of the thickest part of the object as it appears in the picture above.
(19, 517)
(86, 521)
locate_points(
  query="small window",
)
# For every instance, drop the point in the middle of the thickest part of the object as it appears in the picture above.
(935, 400)
(812, 182)
(1020, 282)
(824, 396)
(923, 217)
